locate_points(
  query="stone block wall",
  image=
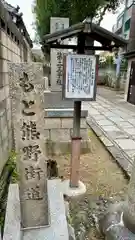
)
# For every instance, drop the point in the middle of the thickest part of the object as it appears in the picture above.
(9, 51)
(107, 77)
(56, 123)
(58, 133)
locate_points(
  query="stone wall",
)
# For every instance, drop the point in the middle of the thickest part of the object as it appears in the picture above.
(58, 132)
(107, 76)
(13, 48)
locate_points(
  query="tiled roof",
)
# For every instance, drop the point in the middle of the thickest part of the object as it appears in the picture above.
(14, 11)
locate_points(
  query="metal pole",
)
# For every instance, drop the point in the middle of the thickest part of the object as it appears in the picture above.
(76, 138)
(77, 119)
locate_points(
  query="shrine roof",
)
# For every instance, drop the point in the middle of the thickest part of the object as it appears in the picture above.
(96, 32)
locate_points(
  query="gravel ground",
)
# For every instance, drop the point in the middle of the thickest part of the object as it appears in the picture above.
(105, 183)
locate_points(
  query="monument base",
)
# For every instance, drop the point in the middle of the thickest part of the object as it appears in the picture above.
(73, 192)
(58, 229)
(56, 148)
(47, 91)
(59, 131)
(112, 225)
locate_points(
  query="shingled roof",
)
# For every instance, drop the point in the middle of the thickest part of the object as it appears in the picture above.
(96, 32)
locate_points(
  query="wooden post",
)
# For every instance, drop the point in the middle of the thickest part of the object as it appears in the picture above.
(76, 138)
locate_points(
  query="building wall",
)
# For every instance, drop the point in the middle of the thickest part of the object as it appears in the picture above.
(11, 50)
(125, 32)
(122, 26)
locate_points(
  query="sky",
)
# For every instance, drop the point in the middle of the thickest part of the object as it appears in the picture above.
(26, 8)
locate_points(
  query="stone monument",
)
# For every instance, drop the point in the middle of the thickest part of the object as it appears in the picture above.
(28, 118)
(28, 216)
(57, 54)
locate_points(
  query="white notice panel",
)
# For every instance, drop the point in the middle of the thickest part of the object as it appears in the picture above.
(80, 77)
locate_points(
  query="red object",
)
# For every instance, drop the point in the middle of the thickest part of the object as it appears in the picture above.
(75, 162)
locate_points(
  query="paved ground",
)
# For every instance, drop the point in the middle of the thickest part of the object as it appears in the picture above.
(113, 120)
(115, 97)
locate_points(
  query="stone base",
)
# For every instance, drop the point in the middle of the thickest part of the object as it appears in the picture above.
(47, 91)
(112, 225)
(58, 229)
(64, 147)
(63, 113)
(73, 192)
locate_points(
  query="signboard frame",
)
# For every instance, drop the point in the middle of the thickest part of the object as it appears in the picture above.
(65, 79)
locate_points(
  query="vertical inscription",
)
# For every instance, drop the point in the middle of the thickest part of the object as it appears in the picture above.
(34, 193)
(29, 131)
(27, 101)
(59, 67)
(57, 24)
(30, 152)
(25, 84)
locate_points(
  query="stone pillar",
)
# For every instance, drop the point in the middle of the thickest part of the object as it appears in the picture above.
(27, 92)
(57, 24)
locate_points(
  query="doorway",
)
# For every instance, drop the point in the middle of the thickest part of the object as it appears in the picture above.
(131, 88)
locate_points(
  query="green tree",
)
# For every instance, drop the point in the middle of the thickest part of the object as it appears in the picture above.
(76, 10)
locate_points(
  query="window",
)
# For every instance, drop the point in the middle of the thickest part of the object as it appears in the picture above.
(119, 23)
(12, 35)
(2, 24)
(56, 26)
(127, 25)
(62, 26)
(8, 31)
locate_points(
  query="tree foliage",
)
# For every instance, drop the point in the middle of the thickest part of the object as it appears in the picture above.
(76, 10)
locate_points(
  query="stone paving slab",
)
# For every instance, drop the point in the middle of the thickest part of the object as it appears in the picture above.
(130, 131)
(105, 123)
(115, 126)
(125, 124)
(126, 144)
(111, 128)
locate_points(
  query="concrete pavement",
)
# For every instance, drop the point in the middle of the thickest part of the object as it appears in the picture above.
(113, 120)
